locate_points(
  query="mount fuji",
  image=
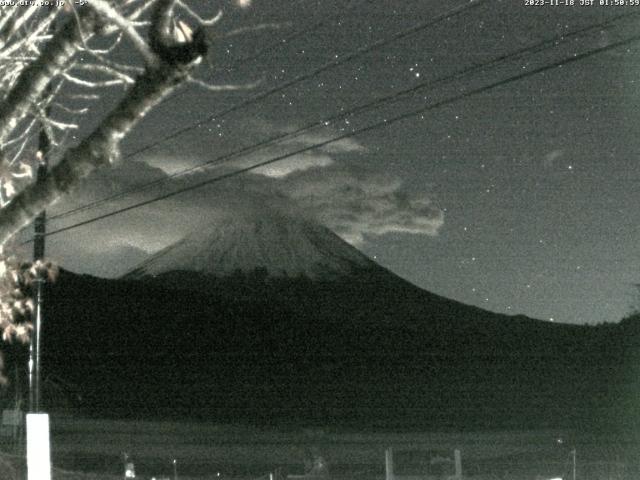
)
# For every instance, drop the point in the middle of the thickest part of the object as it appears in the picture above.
(263, 315)
(261, 248)
(248, 236)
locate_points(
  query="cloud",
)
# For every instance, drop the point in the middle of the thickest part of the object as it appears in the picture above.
(344, 145)
(317, 157)
(354, 202)
(255, 133)
(358, 204)
(172, 164)
(108, 262)
(326, 184)
(552, 156)
(113, 246)
(299, 162)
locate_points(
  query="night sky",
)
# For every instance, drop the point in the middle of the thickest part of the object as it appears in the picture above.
(520, 199)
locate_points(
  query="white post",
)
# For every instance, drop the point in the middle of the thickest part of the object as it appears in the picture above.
(388, 461)
(458, 462)
(38, 447)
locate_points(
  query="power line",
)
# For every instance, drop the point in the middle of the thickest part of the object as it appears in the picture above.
(383, 123)
(323, 68)
(540, 46)
(362, 50)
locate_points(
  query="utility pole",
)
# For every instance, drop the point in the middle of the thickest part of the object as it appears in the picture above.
(44, 145)
(38, 431)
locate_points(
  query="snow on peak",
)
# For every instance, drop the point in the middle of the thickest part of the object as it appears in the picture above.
(254, 235)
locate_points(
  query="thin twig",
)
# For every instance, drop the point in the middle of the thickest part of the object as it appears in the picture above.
(223, 88)
(91, 84)
(138, 42)
(255, 28)
(202, 21)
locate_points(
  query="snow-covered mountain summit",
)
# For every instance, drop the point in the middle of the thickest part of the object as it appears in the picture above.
(252, 235)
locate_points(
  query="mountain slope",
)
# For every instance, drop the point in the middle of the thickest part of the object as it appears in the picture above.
(287, 354)
(263, 316)
(250, 236)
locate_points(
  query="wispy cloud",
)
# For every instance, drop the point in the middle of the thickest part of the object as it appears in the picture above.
(300, 162)
(357, 203)
(551, 157)
(320, 157)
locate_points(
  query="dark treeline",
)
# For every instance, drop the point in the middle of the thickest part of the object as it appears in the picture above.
(369, 350)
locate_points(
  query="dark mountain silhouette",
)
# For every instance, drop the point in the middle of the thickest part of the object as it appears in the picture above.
(307, 330)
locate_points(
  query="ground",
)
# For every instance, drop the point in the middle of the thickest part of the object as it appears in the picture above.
(210, 451)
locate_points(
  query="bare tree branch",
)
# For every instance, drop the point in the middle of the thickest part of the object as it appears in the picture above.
(25, 133)
(128, 28)
(92, 83)
(165, 40)
(161, 21)
(100, 56)
(102, 146)
(15, 21)
(71, 111)
(34, 79)
(146, 5)
(39, 70)
(222, 88)
(105, 70)
(20, 149)
(202, 21)
(255, 28)
(83, 96)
